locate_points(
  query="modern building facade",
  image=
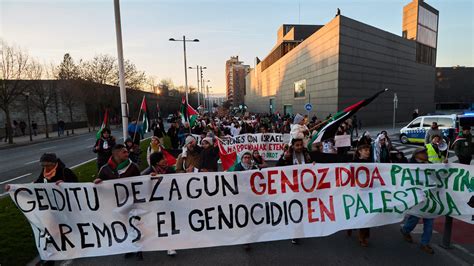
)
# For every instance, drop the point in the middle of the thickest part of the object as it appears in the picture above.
(235, 72)
(337, 64)
(454, 88)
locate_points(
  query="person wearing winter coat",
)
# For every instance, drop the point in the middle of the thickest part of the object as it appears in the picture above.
(209, 155)
(103, 147)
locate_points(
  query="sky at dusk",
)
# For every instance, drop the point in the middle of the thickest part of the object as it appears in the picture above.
(48, 29)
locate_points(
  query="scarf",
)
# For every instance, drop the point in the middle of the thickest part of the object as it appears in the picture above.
(154, 147)
(246, 166)
(121, 167)
(50, 174)
(298, 158)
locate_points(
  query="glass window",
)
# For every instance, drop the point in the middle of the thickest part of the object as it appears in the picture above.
(445, 122)
(300, 88)
(428, 19)
(428, 121)
(415, 123)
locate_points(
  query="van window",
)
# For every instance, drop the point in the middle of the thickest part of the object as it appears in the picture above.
(428, 121)
(466, 121)
(445, 122)
(415, 123)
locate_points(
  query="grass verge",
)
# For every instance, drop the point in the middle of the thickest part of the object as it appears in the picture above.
(17, 246)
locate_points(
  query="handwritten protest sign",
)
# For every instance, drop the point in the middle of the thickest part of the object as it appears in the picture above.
(193, 210)
(270, 145)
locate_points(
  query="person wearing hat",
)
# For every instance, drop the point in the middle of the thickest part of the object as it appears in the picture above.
(420, 156)
(103, 147)
(464, 146)
(298, 128)
(209, 155)
(189, 160)
(119, 165)
(435, 154)
(54, 170)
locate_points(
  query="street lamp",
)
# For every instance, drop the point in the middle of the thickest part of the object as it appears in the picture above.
(395, 106)
(185, 65)
(198, 68)
(27, 95)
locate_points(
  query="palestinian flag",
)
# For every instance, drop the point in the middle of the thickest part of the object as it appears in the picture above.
(105, 124)
(228, 160)
(329, 130)
(188, 114)
(144, 111)
(168, 157)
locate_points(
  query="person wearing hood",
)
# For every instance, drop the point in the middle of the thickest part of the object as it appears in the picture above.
(381, 153)
(189, 160)
(420, 156)
(133, 151)
(155, 146)
(298, 128)
(209, 155)
(103, 147)
(245, 163)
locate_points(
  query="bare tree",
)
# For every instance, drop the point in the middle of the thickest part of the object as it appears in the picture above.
(134, 78)
(68, 73)
(42, 91)
(101, 69)
(13, 68)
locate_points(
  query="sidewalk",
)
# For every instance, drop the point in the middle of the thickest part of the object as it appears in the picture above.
(25, 140)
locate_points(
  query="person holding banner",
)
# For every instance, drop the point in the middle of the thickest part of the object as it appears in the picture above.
(294, 155)
(362, 155)
(420, 155)
(158, 165)
(245, 163)
(258, 160)
(189, 160)
(103, 147)
(118, 166)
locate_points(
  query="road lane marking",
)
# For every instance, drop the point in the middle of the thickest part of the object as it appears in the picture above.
(47, 148)
(15, 178)
(35, 161)
(90, 139)
(79, 164)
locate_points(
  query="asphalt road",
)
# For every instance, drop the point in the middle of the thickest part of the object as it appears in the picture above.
(21, 164)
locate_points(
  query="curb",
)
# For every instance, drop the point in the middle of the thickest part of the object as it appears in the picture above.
(41, 140)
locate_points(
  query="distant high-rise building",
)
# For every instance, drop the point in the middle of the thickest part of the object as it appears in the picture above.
(235, 72)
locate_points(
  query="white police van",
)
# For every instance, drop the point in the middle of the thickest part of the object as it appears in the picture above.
(415, 131)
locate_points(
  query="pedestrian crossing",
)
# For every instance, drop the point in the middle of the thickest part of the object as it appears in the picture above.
(408, 149)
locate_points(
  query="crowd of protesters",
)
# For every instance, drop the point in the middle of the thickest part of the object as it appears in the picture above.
(119, 160)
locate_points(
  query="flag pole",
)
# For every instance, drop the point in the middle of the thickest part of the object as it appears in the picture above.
(138, 119)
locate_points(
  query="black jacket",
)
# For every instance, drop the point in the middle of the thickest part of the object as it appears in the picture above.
(62, 173)
(103, 155)
(284, 162)
(209, 158)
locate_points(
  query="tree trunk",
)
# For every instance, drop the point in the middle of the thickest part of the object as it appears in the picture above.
(8, 127)
(46, 124)
(72, 122)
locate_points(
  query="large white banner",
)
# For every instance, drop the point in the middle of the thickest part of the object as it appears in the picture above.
(195, 210)
(270, 145)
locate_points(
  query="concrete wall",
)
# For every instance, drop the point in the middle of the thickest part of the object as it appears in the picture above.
(343, 62)
(372, 59)
(316, 60)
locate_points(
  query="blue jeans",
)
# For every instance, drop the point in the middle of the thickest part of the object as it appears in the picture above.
(412, 221)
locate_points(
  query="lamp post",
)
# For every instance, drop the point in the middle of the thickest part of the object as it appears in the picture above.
(185, 64)
(198, 68)
(27, 95)
(123, 91)
(395, 106)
